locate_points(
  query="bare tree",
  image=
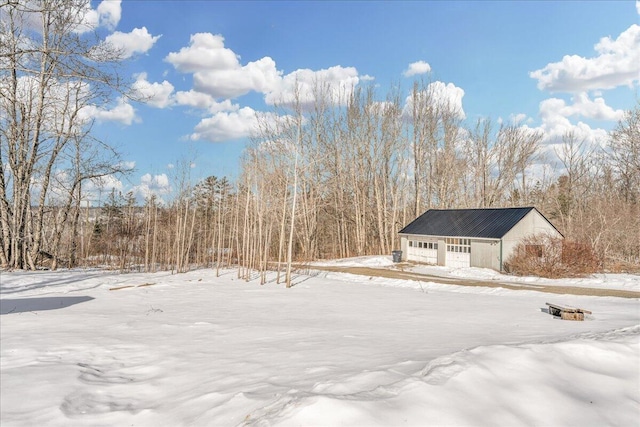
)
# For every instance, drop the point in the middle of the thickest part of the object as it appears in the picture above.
(625, 154)
(499, 163)
(424, 124)
(575, 182)
(49, 73)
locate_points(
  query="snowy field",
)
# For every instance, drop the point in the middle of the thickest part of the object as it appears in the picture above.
(89, 347)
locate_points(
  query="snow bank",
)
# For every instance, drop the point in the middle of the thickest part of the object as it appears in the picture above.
(627, 282)
(578, 382)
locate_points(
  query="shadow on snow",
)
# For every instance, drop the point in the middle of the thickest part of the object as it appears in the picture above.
(21, 305)
(48, 284)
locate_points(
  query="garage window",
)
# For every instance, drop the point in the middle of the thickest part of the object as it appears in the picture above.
(458, 245)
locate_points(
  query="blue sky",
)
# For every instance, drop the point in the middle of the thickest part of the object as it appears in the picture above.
(208, 66)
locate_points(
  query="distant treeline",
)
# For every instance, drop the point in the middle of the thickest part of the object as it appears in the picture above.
(333, 175)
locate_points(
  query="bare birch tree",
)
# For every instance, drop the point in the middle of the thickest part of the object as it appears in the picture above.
(50, 71)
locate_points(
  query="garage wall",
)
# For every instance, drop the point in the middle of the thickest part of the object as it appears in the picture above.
(485, 254)
(442, 251)
(533, 223)
(403, 246)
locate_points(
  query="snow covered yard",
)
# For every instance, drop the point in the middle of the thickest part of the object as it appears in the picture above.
(336, 349)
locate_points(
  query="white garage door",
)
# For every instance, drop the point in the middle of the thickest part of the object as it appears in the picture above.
(458, 252)
(423, 251)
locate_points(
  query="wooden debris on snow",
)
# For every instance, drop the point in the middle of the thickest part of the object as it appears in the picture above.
(566, 312)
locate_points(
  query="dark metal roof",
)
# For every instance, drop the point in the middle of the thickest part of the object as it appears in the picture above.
(491, 223)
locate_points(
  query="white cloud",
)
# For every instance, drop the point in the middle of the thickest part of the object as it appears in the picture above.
(555, 124)
(204, 101)
(90, 20)
(518, 118)
(224, 126)
(555, 113)
(205, 52)
(415, 68)
(336, 82)
(259, 76)
(593, 109)
(217, 70)
(219, 77)
(137, 41)
(107, 15)
(62, 96)
(448, 95)
(155, 94)
(227, 126)
(122, 113)
(152, 185)
(194, 99)
(109, 12)
(617, 64)
(128, 165)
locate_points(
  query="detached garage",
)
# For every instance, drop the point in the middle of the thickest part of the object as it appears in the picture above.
(471, 237)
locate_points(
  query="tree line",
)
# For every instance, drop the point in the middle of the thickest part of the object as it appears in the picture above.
(365, 168)
(337, 175)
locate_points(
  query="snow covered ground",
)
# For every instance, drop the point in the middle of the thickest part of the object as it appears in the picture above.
(89, 347)
(627, 282)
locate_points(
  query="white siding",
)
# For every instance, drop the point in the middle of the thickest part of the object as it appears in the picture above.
(532, 224)
(485, 254)
(403, 247)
